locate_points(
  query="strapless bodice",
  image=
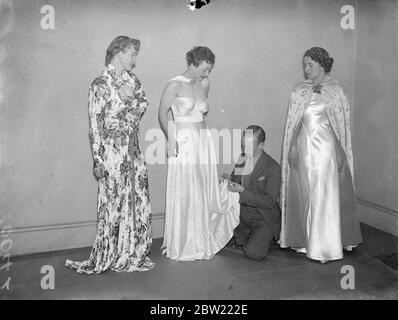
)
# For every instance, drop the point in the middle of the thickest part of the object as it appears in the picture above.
(187, 109)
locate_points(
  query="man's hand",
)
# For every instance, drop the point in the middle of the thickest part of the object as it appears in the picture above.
(224, 176)
(126, 91)
(293, 156)
(235, 187)
(99, 171)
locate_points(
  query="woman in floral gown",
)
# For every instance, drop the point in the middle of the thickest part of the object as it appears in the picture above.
(117, 103)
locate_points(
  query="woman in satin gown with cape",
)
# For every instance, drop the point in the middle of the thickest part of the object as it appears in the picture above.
(317, 191)
(200, 214)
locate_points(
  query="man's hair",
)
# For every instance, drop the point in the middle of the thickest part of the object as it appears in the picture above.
(120, 43)
(257, 131)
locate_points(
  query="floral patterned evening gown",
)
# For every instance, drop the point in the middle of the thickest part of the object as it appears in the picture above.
(124, 235)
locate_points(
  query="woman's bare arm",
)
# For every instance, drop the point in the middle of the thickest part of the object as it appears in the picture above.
(166, 101)
(206, 86)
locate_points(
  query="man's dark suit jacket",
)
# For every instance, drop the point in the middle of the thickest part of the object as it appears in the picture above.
(262, 192)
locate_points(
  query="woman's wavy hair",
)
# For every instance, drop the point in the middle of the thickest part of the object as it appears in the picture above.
(199, 54)
(120, 43)
(321, 56)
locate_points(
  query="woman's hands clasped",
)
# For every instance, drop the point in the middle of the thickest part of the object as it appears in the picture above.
(99, 171)
(126, 91)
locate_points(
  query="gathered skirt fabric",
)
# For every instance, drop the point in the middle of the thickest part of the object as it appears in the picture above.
(201, 214)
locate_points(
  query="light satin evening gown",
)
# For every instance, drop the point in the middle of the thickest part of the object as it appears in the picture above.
(201, 214)
(319, 184)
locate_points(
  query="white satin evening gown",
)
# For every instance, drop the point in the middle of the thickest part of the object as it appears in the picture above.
(319, 184)
(201, 214)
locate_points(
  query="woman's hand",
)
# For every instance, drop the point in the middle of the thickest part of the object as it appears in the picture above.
(340, 157)
(172, 148)
(126, 92)
(99, 171)
(293, 156)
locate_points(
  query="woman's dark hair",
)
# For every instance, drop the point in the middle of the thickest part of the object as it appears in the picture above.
(321, 56)
(199, 54)
(257, 131)
(121, 43)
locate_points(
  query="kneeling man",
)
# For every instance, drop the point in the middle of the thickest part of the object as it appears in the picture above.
(257, 178)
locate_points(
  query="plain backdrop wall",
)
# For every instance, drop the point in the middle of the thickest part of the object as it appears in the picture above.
(47, 186)
(376, 113)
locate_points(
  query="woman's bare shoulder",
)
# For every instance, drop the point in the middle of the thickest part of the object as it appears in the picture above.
(205, 82)
(172, 86)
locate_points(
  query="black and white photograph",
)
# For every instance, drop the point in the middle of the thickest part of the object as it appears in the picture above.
(211, 152)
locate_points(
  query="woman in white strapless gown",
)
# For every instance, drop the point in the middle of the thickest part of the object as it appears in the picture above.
(201, 214)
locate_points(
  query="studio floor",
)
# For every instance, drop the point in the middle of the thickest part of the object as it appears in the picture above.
(283, 274)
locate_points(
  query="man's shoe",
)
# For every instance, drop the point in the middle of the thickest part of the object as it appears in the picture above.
(233, 244)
